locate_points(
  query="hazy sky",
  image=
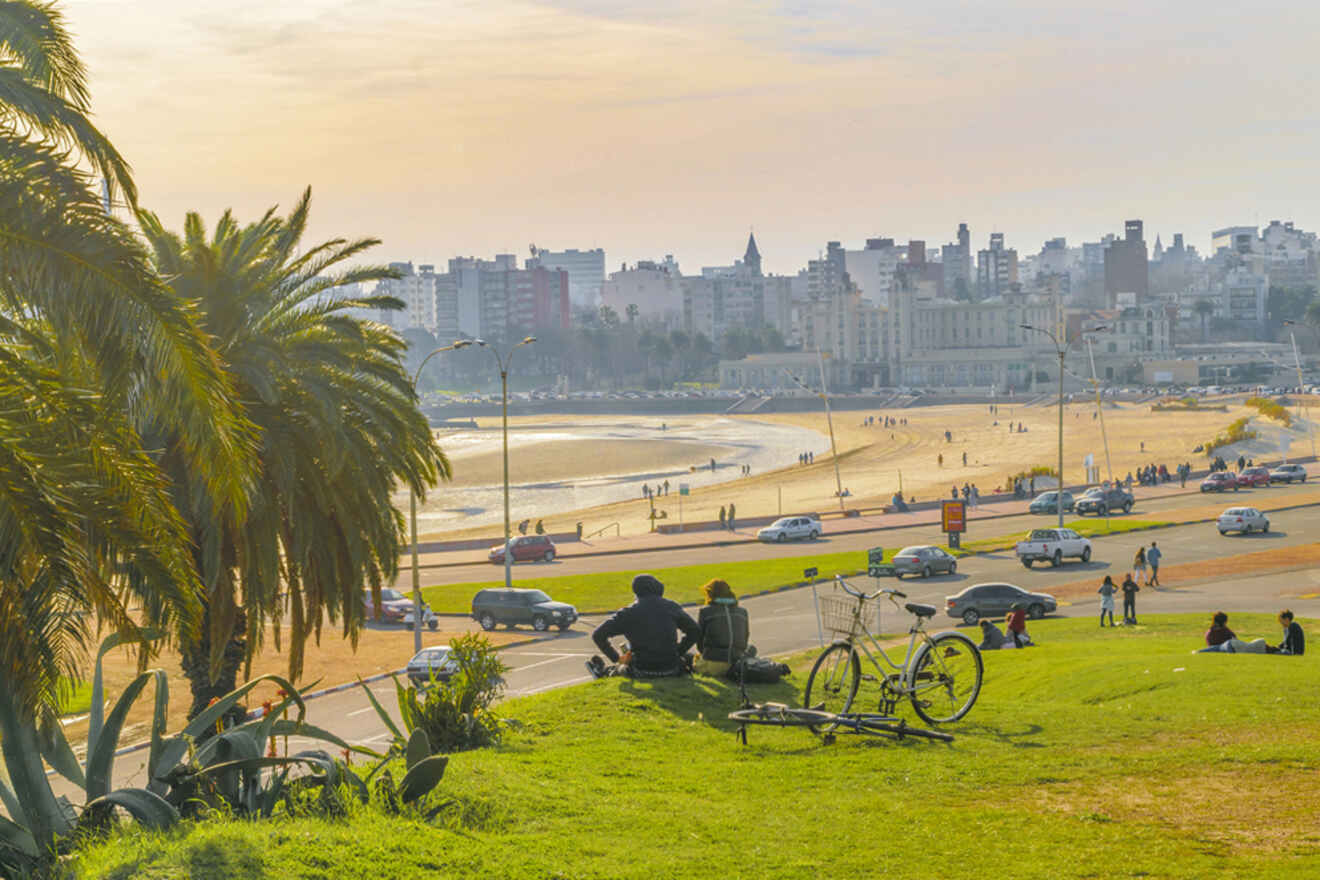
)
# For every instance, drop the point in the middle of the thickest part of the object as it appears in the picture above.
(675, 126)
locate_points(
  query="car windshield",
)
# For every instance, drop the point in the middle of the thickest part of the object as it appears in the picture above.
(909, 551)
(1234, 511)
(432, 655)
(1094, 491)
(391, 596)
(1047, 496)
(780, 523)
(1042, 534)
(537, 597)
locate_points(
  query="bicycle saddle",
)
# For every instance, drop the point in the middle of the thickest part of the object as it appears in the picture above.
(920, 610)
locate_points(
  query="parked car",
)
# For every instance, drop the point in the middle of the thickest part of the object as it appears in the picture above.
(428, 663)
(1099, 500)
(993, 600)
(395, 607)
(1287, 473)
(1242, 520)
(924, 560)
(1053, 546)
(1219, 481)
(1253, 477)
(526, 548)
(512, 607)
(791, 528)
(1047, 502)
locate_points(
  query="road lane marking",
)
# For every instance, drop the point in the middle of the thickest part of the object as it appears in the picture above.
(361, 711)
(550, 687)
(544, 662)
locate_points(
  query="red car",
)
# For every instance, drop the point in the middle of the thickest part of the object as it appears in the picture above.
(1219, 481)
(1253, 477)
(526, 548)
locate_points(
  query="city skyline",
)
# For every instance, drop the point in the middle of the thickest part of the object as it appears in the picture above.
(584, 124)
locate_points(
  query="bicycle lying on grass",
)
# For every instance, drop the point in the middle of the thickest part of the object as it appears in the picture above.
(940, 674)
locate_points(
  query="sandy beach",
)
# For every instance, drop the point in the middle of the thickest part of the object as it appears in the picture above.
(873, 460)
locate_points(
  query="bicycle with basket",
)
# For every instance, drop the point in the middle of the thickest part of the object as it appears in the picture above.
(940, 674)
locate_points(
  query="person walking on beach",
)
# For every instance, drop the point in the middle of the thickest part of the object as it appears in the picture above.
(940, 459)
(722, 514)
(1153, 556)
(1130, 590)
(975, 496)
(666, 487)
(1139, 565)
(731, 510)
(964, 459)
(953, 492)
(1107, 591)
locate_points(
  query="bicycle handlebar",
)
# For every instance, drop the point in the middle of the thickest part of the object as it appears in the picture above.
(883, 591)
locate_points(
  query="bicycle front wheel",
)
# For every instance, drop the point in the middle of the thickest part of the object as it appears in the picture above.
(780, 716)
(945, 678)
(834, 679)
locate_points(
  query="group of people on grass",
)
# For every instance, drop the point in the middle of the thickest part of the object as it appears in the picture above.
(1222, 640)
(660, 634)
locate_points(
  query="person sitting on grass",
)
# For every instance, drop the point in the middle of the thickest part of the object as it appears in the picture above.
(1294, 640)
(992, 639)
(1219, 639)
(1218, 633)
(1017, 627)
(724, 629)
(651, 625)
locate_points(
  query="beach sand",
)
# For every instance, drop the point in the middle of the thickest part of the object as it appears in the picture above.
(872, 458)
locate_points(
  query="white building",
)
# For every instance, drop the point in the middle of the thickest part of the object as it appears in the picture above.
(657, 292)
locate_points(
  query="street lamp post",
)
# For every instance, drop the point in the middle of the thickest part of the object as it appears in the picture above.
(412, 511)
(1062, 352)
(504, 363)
(1301, 385)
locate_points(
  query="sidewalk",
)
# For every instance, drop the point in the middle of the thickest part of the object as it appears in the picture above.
(991, 507)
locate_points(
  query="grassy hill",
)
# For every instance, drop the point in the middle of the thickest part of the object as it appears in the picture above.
(1102, 753)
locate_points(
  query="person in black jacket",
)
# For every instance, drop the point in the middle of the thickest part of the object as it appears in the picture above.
(1294, 640)
(651, 625)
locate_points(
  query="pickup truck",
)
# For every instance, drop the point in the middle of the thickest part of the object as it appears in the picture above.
(1052, 546)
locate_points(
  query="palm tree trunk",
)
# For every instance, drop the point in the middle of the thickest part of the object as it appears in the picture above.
(196, 663)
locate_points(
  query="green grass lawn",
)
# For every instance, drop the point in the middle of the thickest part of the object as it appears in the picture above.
(606, 591)
(1101, 753)
(79, 700)
(610, 590)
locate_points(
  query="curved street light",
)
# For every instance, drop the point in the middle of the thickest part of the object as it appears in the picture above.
(1062, 352)
(412, 508)
(1301, 385)
(504, 362)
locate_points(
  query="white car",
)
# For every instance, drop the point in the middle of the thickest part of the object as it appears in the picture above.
(1242, 520)
(428, 662)
(790, 528)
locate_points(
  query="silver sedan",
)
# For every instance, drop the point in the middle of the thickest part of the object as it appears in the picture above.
(924, 560)
(1243, 520)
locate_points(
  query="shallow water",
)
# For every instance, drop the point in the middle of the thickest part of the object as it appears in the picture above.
(761, 445)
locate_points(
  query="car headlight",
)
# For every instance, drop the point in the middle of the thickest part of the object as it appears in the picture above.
(557, 614)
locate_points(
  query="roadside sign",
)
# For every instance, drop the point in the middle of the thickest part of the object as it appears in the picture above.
(810, 573)
(953, 516)
(683, 489)
(875, 563)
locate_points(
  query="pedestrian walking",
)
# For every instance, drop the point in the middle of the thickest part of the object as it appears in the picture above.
(1107, 591)
(953, 492)
(1182, 476)
(666, 487)
(731, 511)
(1153, 556)
(1130, 590)
(722, 515)
(1242, 462)
(811, 458)
(940, 459)
(964, 459)
(976, 496)
(1139, 565)
(540, 527)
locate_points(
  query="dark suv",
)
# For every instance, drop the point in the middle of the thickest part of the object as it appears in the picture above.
(490, 608)
(1101, 501)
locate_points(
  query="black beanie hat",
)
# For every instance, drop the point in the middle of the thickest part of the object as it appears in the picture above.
(647, 585)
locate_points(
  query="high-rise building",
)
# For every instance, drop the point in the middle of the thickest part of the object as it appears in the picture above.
(996, 268)
(1127, 275)
(586, 271)
(956, 262)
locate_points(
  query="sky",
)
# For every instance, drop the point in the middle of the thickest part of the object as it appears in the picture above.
(675, 127)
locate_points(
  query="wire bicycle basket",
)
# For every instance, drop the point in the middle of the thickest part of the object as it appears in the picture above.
(843, 614)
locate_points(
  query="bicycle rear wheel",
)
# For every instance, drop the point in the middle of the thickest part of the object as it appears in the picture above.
(833, 682)
(945, 678)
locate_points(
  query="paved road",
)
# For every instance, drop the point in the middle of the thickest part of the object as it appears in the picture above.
(785, 622)
(528, 574)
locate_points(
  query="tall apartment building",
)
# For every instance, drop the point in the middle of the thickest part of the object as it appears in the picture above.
(956, 262)
(416, 289)
(872, 269)
(1127, 275)
(996, 268)
(652, 287)
(725, 297)
(586, 271)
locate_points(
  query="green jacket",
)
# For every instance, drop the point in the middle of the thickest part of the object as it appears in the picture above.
(724, 630)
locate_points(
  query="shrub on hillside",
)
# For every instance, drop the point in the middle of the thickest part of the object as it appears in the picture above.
(1040, 470)
(1271, 409)
(1234, 433)
(456, 714)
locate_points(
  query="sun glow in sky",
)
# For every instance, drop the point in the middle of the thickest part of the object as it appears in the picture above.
(674, 127)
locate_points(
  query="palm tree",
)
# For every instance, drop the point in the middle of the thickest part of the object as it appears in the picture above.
(1205, 309)
(92, 345)
(339, 429)
(43, 88)
(632, 311)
